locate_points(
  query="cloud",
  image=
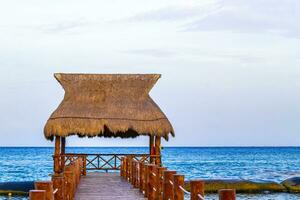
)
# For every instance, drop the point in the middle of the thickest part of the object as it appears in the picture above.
(174, 13)
(165, 14)
(243, 58)
(233, 56)
(159, 53)
(258, 16)
(69, 26)
(273, 16)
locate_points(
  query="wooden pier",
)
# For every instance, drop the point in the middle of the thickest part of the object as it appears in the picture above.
(137, 179)
(106, 186)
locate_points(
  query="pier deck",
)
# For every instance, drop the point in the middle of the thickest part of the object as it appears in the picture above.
(106, 186)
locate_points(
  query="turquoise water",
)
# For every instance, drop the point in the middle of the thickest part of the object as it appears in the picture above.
(214, 197)
(253, 163)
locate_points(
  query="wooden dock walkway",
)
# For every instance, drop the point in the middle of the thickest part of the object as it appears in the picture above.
(154, 181)
(106, 186)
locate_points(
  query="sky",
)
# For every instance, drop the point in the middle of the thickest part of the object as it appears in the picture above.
(230, 69)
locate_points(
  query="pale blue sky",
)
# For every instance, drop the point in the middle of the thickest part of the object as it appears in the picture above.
(230, 69)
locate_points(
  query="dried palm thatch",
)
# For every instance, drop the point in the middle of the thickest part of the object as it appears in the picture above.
(108, 105)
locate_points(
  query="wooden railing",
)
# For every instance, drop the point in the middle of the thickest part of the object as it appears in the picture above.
(72, 167)
(104, 161)
(155, 182)
(62, 187)
(158, 183)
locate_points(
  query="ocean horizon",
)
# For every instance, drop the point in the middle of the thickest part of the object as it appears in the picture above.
(267, 146)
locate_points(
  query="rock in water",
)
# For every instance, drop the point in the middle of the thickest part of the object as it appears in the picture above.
(241, 186)
(16, 188)
(292, 184)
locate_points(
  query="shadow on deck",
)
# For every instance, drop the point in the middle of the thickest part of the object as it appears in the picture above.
(106, 186)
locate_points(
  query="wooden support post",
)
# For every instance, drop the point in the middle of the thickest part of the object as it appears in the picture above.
(128, 169)
(137, 174)
(56, 157)
(226, 194)
(47, 186)
(62, 153)
(157, 150)
(59, 183)
(70, 184)
(77, 172)
(133, 178)
(141, 176)
(145, 186)
(75, 175)
(151, 149)
(63, 145)
(178, 181)
(197, 187)
(37, 195)
(160, 182)
(80, 166)
(79, 160)
(84, 166)
(125, 168)
(152, 172)
(122, 167)
(168, 192)
(131, 170)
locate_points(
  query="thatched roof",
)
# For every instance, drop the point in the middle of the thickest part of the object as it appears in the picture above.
(109, 105)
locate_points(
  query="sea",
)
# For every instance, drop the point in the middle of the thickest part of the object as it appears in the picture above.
(245, 163)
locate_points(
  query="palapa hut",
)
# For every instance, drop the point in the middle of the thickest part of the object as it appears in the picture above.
(107, 105)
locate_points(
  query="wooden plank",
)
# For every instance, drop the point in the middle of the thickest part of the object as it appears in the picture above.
(106, 186)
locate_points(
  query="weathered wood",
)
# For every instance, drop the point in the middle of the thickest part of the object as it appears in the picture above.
(178, 181)
(197, 187)
(63, 145)
(129, 169)
(106, 186)
(133, 178)
(69, 177)
(136, 183)
(125, 167)
(77, 172)
(37, 195)
(105, 161)
(226, 194)
(62, 153)
(122, 167)
(80, 167)
(141, 176)
(157, 150)
(84, 166)
(137, 174)
(168, 192)
(145, 186)
(56, 157)
(47, 186)
(59, 184)
(160, 182)
(152, 185)
(151, 149)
